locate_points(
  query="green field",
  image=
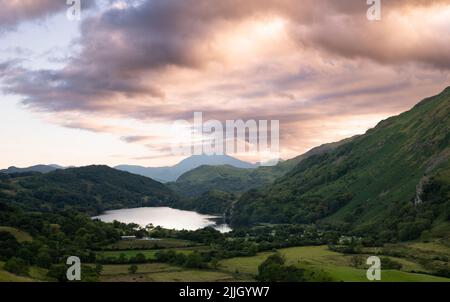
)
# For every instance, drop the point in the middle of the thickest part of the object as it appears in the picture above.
(243, 265)
(21, 236)
(111, 270)
(160, 272)
(318, 259)
(149, 254)
(191, 276)
(431, 247)
(150, 244)
(8, 277)
(334, 264)
(35, 275)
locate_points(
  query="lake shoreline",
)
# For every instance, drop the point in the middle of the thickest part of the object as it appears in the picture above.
(166, 217)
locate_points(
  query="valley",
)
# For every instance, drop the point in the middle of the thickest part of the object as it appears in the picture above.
(314, 218)
(320, 263)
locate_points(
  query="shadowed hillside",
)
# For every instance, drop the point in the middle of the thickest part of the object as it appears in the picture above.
(89, 189)
(235, 180)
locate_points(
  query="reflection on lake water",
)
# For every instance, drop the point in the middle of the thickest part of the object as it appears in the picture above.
(165, 217)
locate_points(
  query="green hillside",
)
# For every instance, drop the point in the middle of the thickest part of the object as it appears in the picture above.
(89, 189)
(20, 236)
(224, 178)
(210, 202)
(234, 180)
(393, 181)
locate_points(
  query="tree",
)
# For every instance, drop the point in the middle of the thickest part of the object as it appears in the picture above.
(388, 263)
(270, 269)
(58, 272)
(273, 269)
(122, 258)
(215, 263)
(140, 258)
(16, 266)
(194, 260)
(43, 259)
(8, 245)
(133, 269)
(98, 268)
(356, 261)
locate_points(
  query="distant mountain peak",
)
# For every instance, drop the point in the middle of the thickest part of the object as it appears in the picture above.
(36, 168)
(215, 160)
(168, 174)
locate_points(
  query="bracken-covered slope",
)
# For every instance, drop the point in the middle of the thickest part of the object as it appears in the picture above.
(89, 189)
(393, 180)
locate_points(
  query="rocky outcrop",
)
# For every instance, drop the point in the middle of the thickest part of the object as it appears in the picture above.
(419, 190)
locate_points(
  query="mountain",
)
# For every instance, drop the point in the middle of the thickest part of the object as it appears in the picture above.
(393, 181)
(224, 178)
(89, 189)
(167, 174)
(231, 179)
(37, 168)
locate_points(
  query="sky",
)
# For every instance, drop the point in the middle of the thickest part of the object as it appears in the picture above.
(108, 88)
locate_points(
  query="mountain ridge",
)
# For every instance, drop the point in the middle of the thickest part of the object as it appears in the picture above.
(369, 182)
(36, 168)
(171, 173)
(90, 189)
(230, 179)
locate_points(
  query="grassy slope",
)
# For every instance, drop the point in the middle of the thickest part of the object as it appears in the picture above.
(160, 272)
(319, 258)
(336, 265)
(21, 236)
(171, 276)
(368, 174)
(35, 274)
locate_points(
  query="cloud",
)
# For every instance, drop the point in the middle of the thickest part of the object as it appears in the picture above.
(406, 34)
(302, 63)
(14, 12)
(135, 138)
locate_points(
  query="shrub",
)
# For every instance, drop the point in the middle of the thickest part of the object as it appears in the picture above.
(57, 272)
(356, 261)
(17, 266)
(8, 245)
(388, 263)
(43, 259)
(133, 269)
(274, 270)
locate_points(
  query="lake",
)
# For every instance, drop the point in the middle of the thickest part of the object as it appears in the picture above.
(165, 217)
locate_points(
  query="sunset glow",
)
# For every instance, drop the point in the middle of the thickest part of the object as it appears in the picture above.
(129, 69)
